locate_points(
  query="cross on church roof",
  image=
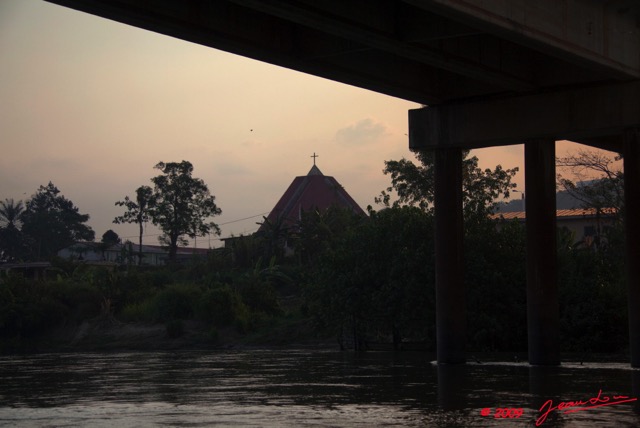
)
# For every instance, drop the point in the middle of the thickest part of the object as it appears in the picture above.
(314, 158)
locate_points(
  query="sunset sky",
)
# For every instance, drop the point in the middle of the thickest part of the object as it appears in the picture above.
(92, 105)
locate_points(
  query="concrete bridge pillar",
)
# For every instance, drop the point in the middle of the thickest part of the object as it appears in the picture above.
(542, 287)
(449, 231)
(631, 151)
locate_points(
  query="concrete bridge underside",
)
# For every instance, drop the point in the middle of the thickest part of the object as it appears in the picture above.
(492, 72)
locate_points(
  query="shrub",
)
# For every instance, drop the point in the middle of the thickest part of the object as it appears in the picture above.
(218, 306)
(213, 334)
(142, 311)
(156, 277)
(260, 296)
(28, 309)
(82, 300)
(176, 302)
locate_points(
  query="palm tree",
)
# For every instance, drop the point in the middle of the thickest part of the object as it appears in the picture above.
(274, 235)
(11, 213)
(10, 221)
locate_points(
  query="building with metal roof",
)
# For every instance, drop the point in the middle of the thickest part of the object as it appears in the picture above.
(314, 191)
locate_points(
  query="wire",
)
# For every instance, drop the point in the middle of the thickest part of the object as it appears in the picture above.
(246, 218)
(217, 239)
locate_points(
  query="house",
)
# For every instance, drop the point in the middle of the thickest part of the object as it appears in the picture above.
(584, 223)
(152, 255)
(31, 270)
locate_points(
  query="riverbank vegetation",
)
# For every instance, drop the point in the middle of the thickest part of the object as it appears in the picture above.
(370, 284)
(336, 278)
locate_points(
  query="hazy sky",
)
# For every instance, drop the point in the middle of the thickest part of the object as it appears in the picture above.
(92, 105)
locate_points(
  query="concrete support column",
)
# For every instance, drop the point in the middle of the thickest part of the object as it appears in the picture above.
(632, 235)
(542, 288)
(450, 295)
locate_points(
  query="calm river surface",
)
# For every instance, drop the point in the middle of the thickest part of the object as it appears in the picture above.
(303, 388)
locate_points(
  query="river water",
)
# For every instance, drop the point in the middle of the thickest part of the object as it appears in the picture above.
(305, 388)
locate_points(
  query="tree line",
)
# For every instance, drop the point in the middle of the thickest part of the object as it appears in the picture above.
(178, 203)
(369, 280)
(39, 228)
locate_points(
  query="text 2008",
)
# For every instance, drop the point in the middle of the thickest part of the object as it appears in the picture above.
(503, 413)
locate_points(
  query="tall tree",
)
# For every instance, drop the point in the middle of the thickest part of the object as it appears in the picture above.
(181, 204)
(597, 181)
(137, 212)
(10, 222)
(414, 184)
(53, 222)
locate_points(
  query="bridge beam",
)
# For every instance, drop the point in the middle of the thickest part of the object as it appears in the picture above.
(596, 34)
(581, 114)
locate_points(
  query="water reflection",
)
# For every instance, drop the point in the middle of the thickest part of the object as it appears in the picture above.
(300, 388)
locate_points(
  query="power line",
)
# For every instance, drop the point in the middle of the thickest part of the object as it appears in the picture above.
(221, 224)
(246, 218)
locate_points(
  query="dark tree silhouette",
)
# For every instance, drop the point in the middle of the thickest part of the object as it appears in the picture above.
(10, 222)
(597, 183)
(52, 222)
(137, 212)
(414, 184)
(181, 204)
(110, 238)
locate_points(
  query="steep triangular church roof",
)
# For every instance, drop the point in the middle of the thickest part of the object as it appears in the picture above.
(312, 191)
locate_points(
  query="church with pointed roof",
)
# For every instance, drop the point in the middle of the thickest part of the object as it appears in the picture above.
(314, 191)
(309, 192)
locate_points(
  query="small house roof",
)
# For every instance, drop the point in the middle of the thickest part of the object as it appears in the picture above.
(565, 214)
